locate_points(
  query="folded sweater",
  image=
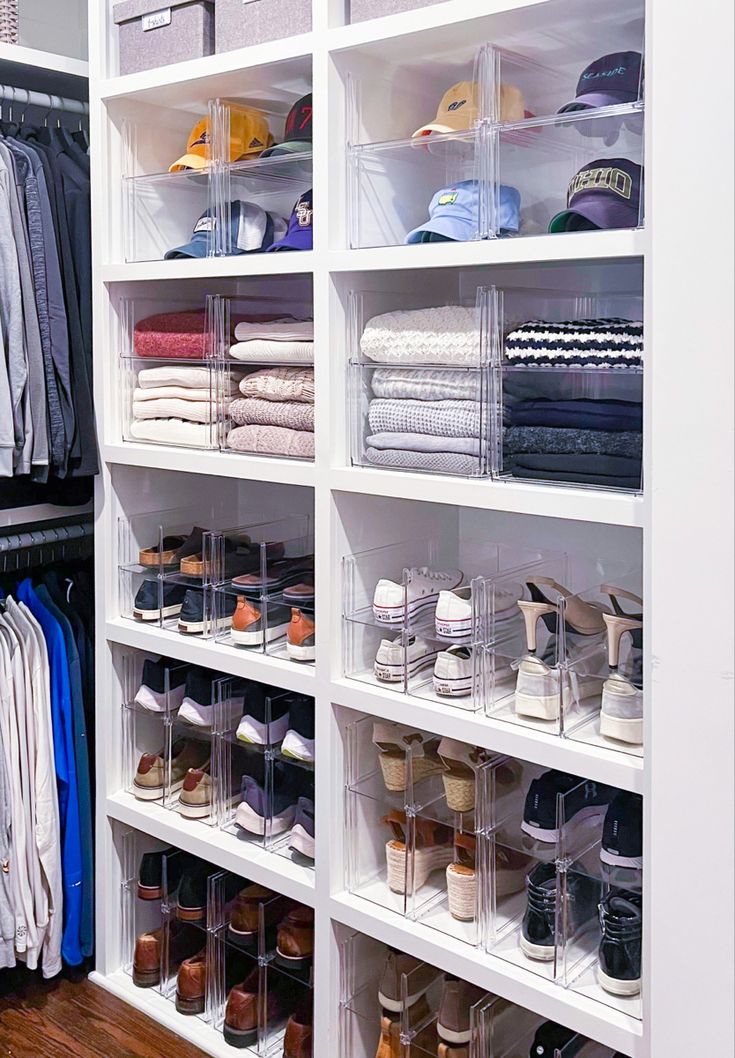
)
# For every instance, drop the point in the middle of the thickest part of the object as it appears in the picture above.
(252, 410)
(424, 442)
(271, 351)
(285, 329)
(272, 440)
(176, 375)
(584, 414)
(577, 469)
(173, 432)
(565, 383)
(436, 462)
(178, 393)
(452, 418)
(191, 410)
(280, 383)
(426, 383)
(448, 334)
(602, 343)
(182, 335)
(537, 440)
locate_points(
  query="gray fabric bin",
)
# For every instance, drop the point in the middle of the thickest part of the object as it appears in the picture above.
(155, 33)
(361, 10)
(240, 23)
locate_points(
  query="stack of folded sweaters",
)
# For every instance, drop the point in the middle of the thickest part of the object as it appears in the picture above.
(573, 402)
(180, 405)
(421, 418)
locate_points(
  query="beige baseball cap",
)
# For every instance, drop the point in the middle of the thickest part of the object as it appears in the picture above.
(459, 109)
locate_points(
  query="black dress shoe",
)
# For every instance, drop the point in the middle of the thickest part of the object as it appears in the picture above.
(621, 920)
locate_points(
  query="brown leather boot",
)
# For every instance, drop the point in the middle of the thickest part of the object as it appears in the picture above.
(301, 637)
(147, 959)
(191, 984)
(295, 940)
(298, 1041)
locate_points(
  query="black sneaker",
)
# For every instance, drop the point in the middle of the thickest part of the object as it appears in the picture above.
(583, 799)
(621, 920)
(538, 929)
(150, 873)
(162, 686)
(298, 743)
(265, 715)
(263, 811)
(622, 832)
(556, 1041)
(147, 606)
(208, 700)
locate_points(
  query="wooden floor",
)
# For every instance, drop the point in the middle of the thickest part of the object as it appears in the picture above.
(71, 1018)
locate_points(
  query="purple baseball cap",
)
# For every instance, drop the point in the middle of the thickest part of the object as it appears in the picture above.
(605, 193)
(300, 234)
(608, 81)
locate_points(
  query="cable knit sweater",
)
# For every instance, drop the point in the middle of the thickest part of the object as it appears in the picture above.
(449, 334)
(426, 383)
(252, 411)
(280, 384)
(452, 418)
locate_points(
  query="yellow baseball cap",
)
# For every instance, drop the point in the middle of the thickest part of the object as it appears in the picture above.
(459, 109)
(249, 137)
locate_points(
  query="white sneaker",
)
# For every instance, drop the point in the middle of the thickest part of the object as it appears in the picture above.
(453, 617)
(540, 689)
(453, 672)
(621, 716)
(421, 592)
(392, 660)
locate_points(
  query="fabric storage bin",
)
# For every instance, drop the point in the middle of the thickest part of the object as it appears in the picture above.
(361, 10)
(240, 23)
(154, 35)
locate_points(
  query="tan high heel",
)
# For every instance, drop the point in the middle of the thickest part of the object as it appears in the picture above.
(619, 623)
(586, 618)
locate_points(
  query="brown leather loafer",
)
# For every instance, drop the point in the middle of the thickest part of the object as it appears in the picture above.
(241, 1013)
(295, 940)
(245, 915)
(147, 959)
(298, 1041)
(191, 984)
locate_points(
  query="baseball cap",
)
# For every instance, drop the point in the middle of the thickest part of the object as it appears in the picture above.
(300, 234)
(252, 229)
(249, 136)
(459, 110)
(298, 135)
(608, 81)
(454, 213)
(605, 193)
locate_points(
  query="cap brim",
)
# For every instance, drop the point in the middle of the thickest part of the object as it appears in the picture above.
(196, 248)
(292, 147)
(603, 214)
(426, 130)
(290, 243)
(189, 161)
(594, 100)
(450, 227)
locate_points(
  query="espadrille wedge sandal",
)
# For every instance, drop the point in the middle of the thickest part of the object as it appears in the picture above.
(395, 745)
(409, 870)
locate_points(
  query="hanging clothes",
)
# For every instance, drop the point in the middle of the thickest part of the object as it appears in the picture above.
(48, 448)
(46, 840)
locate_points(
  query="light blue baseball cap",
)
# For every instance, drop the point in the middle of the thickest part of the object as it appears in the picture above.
(454, 213)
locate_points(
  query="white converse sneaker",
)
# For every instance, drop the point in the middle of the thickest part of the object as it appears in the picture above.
(453, 617)
(392, 661)
(453, 672)
(424, 585)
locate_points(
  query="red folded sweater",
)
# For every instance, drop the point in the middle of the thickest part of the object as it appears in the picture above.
(182, 335)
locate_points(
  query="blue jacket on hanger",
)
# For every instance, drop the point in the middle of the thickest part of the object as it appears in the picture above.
(66, 777)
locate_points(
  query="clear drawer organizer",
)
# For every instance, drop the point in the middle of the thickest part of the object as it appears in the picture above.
(438, 832)
(509, 170)
(163, 210)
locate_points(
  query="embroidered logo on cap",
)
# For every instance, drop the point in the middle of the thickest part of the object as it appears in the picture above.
(304, 212)
(205, 224)
(449, 198)
(201, 141)
(455, 106)
(603, 179)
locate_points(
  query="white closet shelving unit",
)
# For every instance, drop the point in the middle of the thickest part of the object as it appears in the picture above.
(682, 527)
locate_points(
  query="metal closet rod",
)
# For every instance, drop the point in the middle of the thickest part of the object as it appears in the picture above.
(59, 534)
(51, 103)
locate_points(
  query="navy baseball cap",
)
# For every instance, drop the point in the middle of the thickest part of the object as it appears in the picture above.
(605, 193)
(300, 234)
(298, 135)
(251, 230)
(608, 81)
(454, 213)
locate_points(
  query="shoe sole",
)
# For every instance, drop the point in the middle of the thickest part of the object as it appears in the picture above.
(622, 729)
(297, 653)
(302, 842)
(395, 673)
(247, 819)
(539, 708)
(453, 629)
(256, 733)
(549, 836)
(462, 892)
(458, 687)
(240, 1038)
(156, 702)
(394, 615)
(189, 1006)
(298, 748)
(537, 952)
(616, 987)
(146, 978)
(614, 860)
(195, 811)
(425, 862)
(156, 615)
(254, 639)
(397, 1005)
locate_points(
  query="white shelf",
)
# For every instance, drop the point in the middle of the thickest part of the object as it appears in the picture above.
(593, 1019)
(584, 505)
(242, 265)
(579, 758)
(43, 62)
(566, 246)
(150, 1002)
(249, 665)
(258, 865)
(40, 512)
(218, 464)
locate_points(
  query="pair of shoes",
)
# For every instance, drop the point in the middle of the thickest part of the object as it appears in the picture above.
(246, 1008)
(399, 659)
(281, 575)
(153, 779)
(511, 868)
(147, 955)
(585, 800)
(168, 686)
(540, 692)
(405, 603)
(255, 908)
(253, 625)
(175, 552)
(271, 717)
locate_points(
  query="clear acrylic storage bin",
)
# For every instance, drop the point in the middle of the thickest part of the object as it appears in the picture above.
(418, 403)
(573, 172)
(262, 595)
(569, 388)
